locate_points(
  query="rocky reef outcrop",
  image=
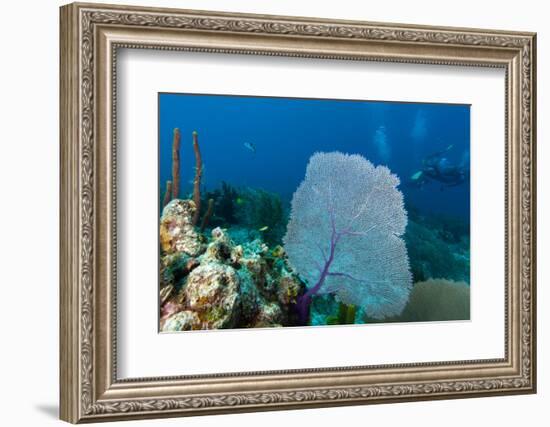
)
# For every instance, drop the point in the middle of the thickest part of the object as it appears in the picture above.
(177, 233)
(211, 282)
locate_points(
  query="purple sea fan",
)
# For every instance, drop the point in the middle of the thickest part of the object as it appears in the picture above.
(344, 234)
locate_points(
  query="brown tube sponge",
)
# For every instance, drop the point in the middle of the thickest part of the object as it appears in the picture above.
(197, 180)
(208, 214)
(167, 194)
(176, 164)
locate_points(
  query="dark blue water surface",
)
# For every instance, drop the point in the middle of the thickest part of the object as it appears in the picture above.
(286, 132)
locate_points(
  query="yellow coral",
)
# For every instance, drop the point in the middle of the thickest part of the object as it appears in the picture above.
(165, 237)
(288, 289)
(278, 252)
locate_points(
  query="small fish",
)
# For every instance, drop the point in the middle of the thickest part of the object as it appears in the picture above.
(264, 228)
(250, 146)
(417, 175)
(239, 201)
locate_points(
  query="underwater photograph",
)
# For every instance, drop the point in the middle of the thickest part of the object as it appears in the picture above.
(281, 212)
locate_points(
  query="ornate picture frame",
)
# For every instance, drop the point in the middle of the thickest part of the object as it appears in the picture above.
(91, 35)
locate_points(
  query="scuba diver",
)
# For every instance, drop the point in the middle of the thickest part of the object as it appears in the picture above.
(436, 167)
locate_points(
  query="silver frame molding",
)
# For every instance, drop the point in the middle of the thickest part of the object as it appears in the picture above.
(90, 37)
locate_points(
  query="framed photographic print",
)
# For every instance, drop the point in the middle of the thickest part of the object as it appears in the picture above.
(265, 212)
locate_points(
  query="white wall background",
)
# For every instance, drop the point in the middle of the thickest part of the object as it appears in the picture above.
(29, 170)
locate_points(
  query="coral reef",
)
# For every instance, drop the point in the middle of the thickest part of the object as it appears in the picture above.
(356, 251)
(224, 202)
(212, 292)
(175, 267)
(181, 321)
(212, 283)
(432, 300)
(350, 253)
(438, 299)
(451, 229)
(242, 235)
(269, 315)
(261, 210)
(248, 208)
(177, 233)
(438, 247)
(219, 282)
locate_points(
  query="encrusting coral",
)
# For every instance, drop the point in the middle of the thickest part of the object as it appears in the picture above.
(433, 300)
(177, 233)
(438, 299)
(212, 291)
(184, 320)
(214, 283)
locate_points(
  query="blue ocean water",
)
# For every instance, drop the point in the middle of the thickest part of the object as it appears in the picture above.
(264, 142)
(255, 151)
